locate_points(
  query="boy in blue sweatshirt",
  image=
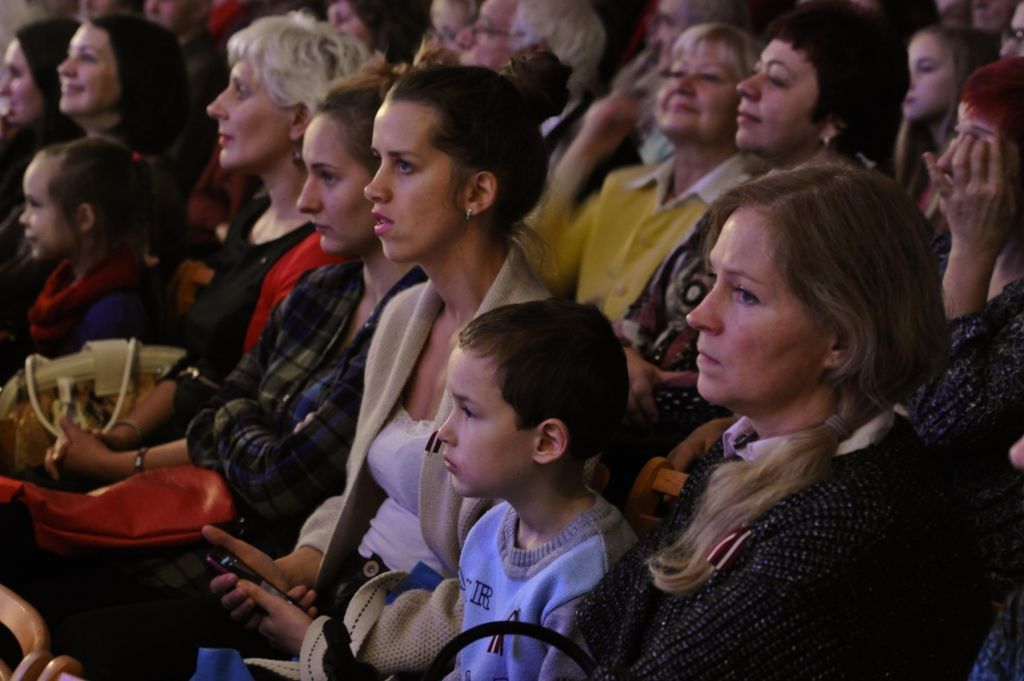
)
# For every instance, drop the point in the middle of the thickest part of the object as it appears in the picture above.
(538, 388)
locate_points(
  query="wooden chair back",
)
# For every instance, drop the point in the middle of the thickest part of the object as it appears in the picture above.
(657, 484)
(27, 626)
(61, 668)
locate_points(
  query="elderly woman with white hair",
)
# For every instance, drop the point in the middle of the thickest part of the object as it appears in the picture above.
(280, 69)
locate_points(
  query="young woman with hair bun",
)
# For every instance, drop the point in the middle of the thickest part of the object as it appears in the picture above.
(461, 163)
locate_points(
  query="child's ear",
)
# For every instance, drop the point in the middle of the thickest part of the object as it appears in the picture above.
(85, 218)
(552, 441)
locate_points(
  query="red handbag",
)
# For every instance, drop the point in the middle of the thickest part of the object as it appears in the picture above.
(161, 507)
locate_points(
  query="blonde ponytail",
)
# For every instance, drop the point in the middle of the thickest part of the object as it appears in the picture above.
(738, 493)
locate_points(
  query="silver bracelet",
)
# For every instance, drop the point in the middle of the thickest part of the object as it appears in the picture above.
(131, 424)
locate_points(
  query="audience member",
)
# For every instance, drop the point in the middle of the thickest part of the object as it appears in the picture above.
(462, 162)
(828, 85)
(30, 84)
(777, 561)
(830, 81)
(31, 90)
(991, 16)
(281, 458)
(1002, 656)
(394, 27)
(1013, 36)
(954, 13)
(972, 411)
(124, 78)
(207, 76)
(572, 32)
(941, 58)
(447, 19)
(280, 68)
(487, 41)
(550, 378)
(637, 83)
(605, 251)
(86, 205)
(537, 388)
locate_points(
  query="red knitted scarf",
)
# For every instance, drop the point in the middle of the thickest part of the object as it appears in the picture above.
(64, 300)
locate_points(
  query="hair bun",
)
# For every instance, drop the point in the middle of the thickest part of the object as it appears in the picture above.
(541, 79)
(378, 70)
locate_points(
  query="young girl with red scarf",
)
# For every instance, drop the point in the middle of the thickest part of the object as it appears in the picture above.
(85, 205)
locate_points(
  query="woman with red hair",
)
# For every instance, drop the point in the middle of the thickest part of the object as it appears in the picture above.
(973, 411)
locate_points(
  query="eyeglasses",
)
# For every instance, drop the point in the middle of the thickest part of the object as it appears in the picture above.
(486, 29)
(445, 36)
(1014, 35)
(520, 37)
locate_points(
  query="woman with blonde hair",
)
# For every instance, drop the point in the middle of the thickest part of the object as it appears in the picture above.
(808, 543)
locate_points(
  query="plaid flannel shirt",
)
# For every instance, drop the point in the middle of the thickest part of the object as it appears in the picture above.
(282, 423)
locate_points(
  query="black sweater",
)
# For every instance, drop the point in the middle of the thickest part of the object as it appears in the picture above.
(867, 575)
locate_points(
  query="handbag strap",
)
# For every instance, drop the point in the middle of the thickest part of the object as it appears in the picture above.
(443, 660)
(33, 397)
(126, 375)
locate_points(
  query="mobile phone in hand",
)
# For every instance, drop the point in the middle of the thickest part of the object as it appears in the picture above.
(223, 561)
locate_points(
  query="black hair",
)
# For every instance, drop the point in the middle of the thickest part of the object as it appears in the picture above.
(861, 66)
(154, 85)
(397, 26)
(556, 359)
(45, 45)
(489, 121)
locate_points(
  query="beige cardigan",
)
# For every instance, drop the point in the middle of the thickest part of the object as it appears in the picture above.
(338, 525)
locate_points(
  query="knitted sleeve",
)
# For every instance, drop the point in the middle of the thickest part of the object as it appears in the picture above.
(556, 664)
(755, 626)
(985, 377)
(413, 629)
